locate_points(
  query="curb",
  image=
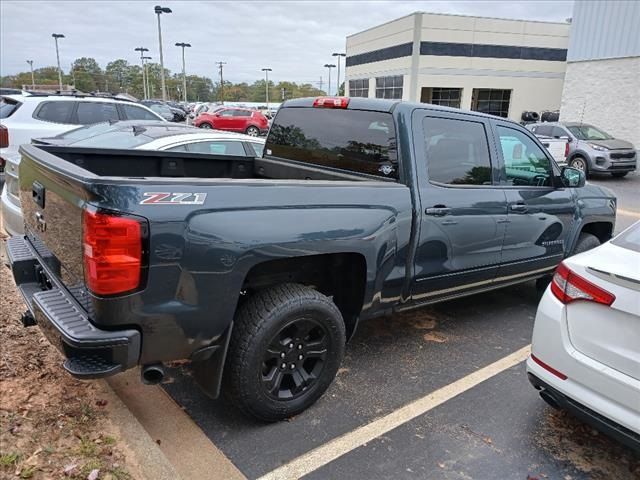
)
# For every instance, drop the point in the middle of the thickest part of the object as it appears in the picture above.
(142, 451)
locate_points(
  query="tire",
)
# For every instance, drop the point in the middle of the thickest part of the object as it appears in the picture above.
(580, 163)
(205, 126)
(586, 241)
(619, 174)
(252, 131)
(273, 330)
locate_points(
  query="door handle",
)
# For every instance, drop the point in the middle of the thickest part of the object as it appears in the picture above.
(448, 222)
(519, 207)
(437, 211)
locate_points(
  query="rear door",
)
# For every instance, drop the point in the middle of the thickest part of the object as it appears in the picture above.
(540, 214)
(463, 214)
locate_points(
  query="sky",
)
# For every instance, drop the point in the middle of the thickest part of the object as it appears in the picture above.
(294, 38)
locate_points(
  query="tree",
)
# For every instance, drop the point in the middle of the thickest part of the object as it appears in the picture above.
(88, 75)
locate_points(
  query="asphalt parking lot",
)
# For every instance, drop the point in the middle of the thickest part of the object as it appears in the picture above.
(495, 428)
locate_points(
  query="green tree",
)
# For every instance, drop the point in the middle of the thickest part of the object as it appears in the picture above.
(88, 75)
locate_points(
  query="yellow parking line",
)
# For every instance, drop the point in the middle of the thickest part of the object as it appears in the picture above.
(628, 213)
(320, 456)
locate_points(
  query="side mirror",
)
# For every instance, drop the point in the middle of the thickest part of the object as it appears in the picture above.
(572, 177)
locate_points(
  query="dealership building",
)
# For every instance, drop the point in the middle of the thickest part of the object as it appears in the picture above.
(497, 66)
(602, 81)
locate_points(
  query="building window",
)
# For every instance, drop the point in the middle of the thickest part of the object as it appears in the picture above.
(493, 102)
(446, 97)
(389, 87)
(359, 88)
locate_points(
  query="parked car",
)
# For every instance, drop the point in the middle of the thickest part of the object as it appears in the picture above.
(25, 116)
(258, 270)
(243, 120)
(591, 149)
(557, 147)
(585, 354)
(143, 135)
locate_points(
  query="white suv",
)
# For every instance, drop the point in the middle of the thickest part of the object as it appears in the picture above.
(27, 116)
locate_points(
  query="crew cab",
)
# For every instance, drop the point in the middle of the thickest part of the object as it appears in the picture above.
(259, 270)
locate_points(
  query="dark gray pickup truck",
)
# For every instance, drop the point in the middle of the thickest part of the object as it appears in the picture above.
(259, 270)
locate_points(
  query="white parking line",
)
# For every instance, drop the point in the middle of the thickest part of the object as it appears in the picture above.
(320, 456)
(628, 213)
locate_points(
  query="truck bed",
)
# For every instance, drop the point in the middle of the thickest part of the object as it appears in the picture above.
(142, 164)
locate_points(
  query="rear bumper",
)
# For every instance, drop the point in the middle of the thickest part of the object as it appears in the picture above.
(600, 422)
(90, 352)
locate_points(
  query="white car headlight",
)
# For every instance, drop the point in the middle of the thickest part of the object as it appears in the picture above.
(598, 147)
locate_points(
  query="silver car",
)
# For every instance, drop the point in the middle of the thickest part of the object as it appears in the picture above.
(591, 149)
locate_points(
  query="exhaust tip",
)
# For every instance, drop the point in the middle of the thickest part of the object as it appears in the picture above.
(152, 374)
(550, 399)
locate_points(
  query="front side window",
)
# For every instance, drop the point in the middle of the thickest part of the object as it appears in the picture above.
(457, 152)
(56, 112)
(137, 113)
(525, 163)
(357, 141)
(389, 87)
(94, 112)
(359, 88)
(218, 147)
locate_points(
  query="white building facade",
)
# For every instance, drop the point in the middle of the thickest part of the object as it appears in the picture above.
(497, 66)
(602, 81)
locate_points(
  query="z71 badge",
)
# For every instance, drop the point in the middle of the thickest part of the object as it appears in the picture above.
(162, 198)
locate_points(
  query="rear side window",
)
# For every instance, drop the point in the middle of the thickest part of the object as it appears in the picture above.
(56, 112)
(93, 112)
(8, 107)
(218, 148)
(544, 130)
(356, 141)
(133, 112)
(457, 151)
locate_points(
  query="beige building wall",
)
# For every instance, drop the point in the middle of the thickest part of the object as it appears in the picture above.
(535, 84)
(604, 93)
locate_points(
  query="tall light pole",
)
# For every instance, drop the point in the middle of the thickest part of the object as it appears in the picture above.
(144, 73)
(266, 85)
(184, 75)
(56, 36)
(220, 65)
(338, 82)
(159, 11)
(329, 66)
(33, 82)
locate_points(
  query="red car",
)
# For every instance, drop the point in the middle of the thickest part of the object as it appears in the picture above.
(233, 119)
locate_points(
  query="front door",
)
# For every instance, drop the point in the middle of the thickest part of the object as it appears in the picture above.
(463, 214)
(540, 212)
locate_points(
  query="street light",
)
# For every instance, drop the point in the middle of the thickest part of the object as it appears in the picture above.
(160, 10)
(56, 36)
(266, 85)
(329, 66)
(33, 82)
(338, 83)
(144, 73)
(184, 75)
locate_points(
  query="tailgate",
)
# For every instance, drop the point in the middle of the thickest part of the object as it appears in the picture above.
(52, 204)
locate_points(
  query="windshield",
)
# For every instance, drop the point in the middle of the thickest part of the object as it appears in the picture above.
(7, 107)
(88, 130)
(114, 139)
(589, 132)
(629, 239)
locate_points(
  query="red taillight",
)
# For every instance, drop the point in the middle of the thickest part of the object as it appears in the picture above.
(4, 136)
(549, 368)
(112, 253)
(566, 150)
(568, 287)
(331, 102)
